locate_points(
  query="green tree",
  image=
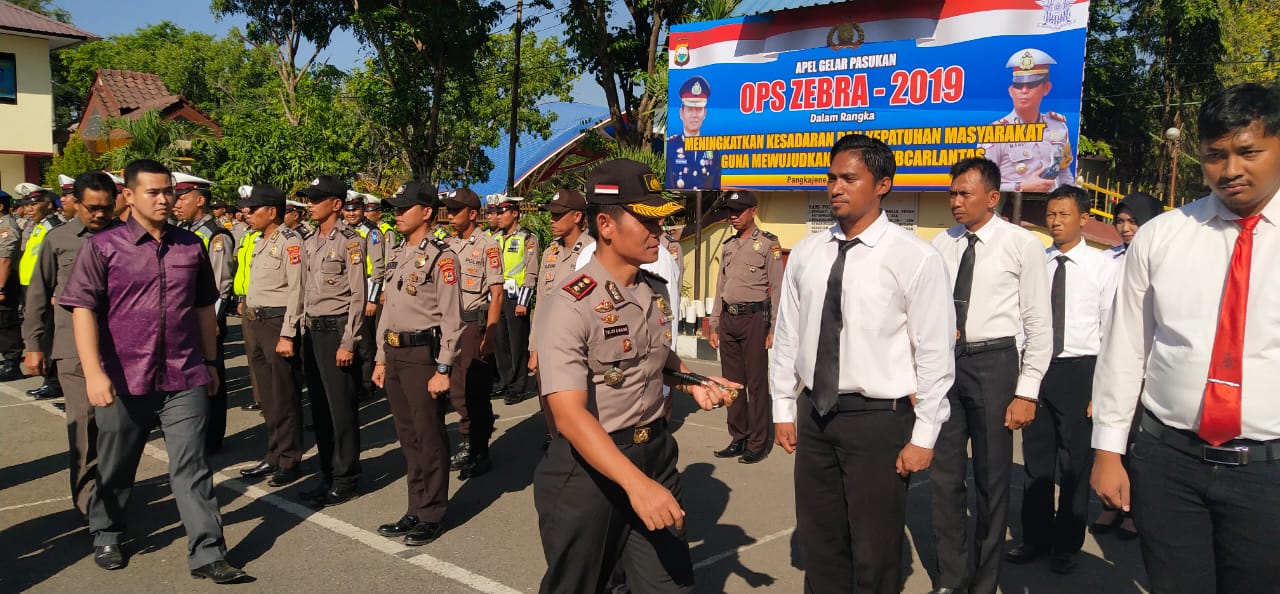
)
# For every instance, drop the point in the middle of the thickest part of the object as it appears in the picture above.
(1250, 40)
(46, 8)
(166, 141)
(74, 160)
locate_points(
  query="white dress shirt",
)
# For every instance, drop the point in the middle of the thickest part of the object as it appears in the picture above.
(899, 324)
(1166, 317)
(1010, 293)
(1091, 289)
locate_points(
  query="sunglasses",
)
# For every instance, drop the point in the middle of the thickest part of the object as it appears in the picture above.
(1030, 85)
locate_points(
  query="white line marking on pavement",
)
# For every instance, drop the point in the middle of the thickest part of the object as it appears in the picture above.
(735, 552)
(34, 503)
(25, 403)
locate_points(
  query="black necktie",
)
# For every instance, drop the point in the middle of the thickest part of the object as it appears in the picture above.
(964, 287)
(1058, 299)
(826, 369)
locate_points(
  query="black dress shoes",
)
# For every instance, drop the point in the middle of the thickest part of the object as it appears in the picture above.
(251, 406)
(9, 371)
(220, 572)
(462, 457)
(108, 557)
(734, 450)
(1024, 553)
(751, 457)
(400, 528)
(1062, 563)
(423, 533)
(46, 392)
(478, 465)
(283, 476)
(946, 591)
(337, 496)
(259, 471)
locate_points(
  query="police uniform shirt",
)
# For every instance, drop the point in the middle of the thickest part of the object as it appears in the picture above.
(335, 279)
(52, 270)
(612, 341)
(10, 239)
(558, 262)
(1010, 294)
(524, 273)
(1090, 290)
(899, 324)
(374, 249)
(1022, 161)
(422, 292)
(673, 247)
(750, 272)
(222, 253)
(481, 263)
(693, 170)
(275, 276)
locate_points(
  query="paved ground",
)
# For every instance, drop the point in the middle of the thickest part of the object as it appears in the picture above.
(741, 518)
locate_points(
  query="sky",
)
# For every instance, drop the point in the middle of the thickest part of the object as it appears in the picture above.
(115, 17)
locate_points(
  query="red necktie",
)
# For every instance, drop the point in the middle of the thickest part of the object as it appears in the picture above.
(1220, 417)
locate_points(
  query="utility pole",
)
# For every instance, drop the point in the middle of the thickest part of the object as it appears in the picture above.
(515, 104)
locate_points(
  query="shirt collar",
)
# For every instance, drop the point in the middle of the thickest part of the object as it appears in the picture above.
(1270, 213)
(1072, 254)
(138, 234)
(869, 236)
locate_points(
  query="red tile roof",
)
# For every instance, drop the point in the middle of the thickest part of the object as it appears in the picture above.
(22, 21)
(123, 92)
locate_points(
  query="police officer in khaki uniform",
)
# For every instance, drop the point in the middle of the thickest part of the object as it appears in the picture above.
(607, 491)
(334, 297)
(480, 263)
(419, 338)
(353, 212)
(295, 217)
(95, 195)
(520, 255)
(273, 309)
(568, 223)
(10, 291)
(742, 324)
(1037, 166)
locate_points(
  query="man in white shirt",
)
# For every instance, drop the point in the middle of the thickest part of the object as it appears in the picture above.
(1000, 292)
(1081, 290)
(1196, 335)
(864, 337)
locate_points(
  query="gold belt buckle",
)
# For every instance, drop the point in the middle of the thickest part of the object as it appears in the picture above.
(641, 435)
(393, 339)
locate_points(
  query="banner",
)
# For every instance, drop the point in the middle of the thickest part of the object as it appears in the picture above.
(757, 102)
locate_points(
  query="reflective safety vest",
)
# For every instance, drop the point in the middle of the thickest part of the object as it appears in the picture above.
(389, 234)
(27, 265)
(513, 255)
(241, 283)
(368, 264)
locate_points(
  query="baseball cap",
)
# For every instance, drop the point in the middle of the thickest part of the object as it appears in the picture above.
(413, 193)
(263, 195)
(631, 185)
(740, 200)
(325, 186)
(565, 200)
(461, 198)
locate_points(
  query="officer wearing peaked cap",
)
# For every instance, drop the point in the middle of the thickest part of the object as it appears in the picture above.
(353, 212)
(607, 492)
(692, 169)
(295, 217)
(520, 258)
(418, 344)
(10, 291)
(1032, 166)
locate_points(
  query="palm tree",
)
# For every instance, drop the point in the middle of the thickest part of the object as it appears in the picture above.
(166, 141)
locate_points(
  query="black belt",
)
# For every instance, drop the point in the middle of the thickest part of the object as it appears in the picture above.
(263, 313)
(853, 402)
(639, 434)
(742, 309)
(983, 346)
(334, 323)
(476, 315)
(411, 339)
(1081, 358)
(1236, 452)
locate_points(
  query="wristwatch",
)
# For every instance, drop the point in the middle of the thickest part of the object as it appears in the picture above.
(444, 369)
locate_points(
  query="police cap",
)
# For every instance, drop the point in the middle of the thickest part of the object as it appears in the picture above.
(631, 185)
(461, 198)
(695, 92)
(325, 186)
(565, 200)
(263, 195)
(1029, 65)
(413, 193)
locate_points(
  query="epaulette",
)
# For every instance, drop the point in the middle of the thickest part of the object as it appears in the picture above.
(289, 233)
(1056, 116)
(645, 274)
(349, 233)
(580, 287)
(728, 239)
(769, 235)
(440, 244)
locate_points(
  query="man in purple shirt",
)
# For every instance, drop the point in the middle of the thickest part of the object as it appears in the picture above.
(141, 297)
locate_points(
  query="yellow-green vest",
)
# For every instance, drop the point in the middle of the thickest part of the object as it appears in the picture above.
(27, 265)
(513, 255)
(368, 264)
(241, 283)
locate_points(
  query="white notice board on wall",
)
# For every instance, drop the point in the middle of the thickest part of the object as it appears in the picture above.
(901, 207)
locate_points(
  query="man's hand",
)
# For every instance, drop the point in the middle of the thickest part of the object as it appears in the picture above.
(1019, 414)
(438, 385)
(913, 458)
(784, 434)
(1034, 183)
(99, 389)
(768, 341)
(711, 396)
(486, 340)
(379, 375)
(240, 309)
(655, 505)
(345, 357)
(1088, 411)
(370, 310)
(713, 339)
(284, 347)
(213, 380)
(34, 363)
(533, 361)
(521, 311)
(1109, 479)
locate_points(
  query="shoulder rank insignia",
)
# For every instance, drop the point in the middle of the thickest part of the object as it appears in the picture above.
(1056, 116)
(580, 287)
(769, 235)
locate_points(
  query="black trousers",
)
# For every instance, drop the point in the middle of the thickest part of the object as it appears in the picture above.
(983, 389)
(123, 428)
(588, 527)
(366, 350)
(281, 396)
(469, 385)
(1056, 450)
(419, 420)
(334, 408)
(1205, 528)
(851, 505)
(217, 428)
(11, 344)
(82, 434)
(744, 359)
(512, 349)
